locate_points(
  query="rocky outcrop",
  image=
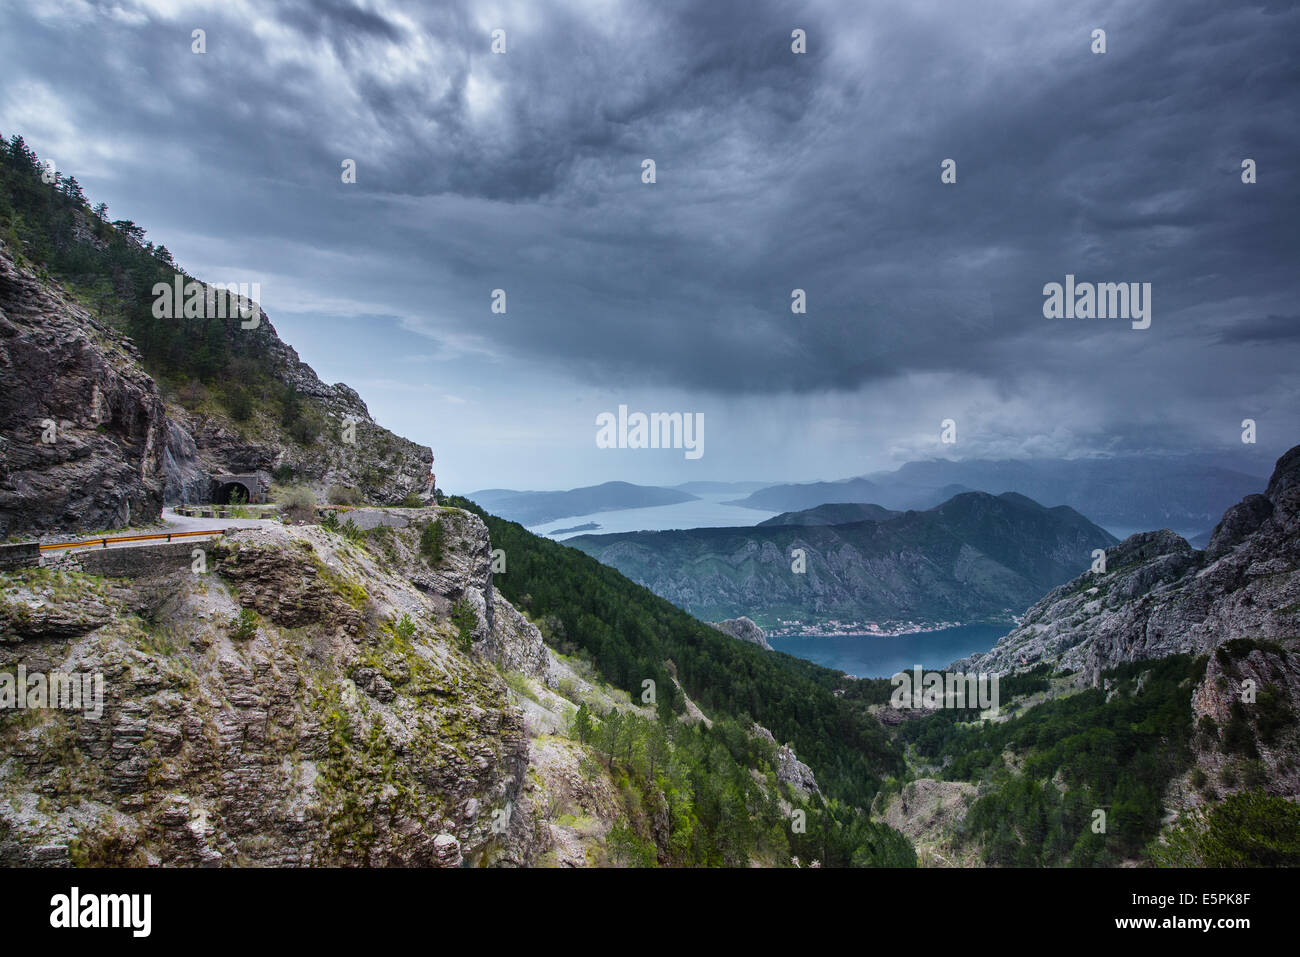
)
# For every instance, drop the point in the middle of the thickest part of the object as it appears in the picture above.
(40, 606)
(1238, 523)
(793, 771)
(188, 481)
(88, 443)
(298, 703)
(378, 465)
(83, 432)
(744, 629)
(930, 813)
(1247, 715)
(503, 635)
(342, 445)
(1159, 596)
(789, 769)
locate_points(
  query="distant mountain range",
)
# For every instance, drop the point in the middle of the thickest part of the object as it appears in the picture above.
(835, 514)
(975, 557)
(1182, 493)
(532, 508)
(721, 488)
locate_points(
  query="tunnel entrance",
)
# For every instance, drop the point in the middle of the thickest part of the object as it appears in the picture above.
(230, 493)
(250, 488)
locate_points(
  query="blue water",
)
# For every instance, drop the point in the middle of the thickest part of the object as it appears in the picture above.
(870, 656)
(708, 511)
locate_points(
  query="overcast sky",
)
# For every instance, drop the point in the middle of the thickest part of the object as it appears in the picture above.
(775, 170)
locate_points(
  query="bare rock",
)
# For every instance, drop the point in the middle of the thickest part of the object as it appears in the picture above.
(1160, 597)
(83, 431)
(744, 629)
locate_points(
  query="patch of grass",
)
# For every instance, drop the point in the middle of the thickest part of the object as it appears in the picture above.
(521, 686)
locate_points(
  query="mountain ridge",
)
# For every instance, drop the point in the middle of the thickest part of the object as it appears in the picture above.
(1159, 596)
(1124, 491)
(535, 508)
(977, 557)
(175, 401)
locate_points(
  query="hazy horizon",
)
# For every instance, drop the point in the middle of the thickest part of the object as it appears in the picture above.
(1257, 464)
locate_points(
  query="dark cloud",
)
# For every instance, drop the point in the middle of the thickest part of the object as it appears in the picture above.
(775, 171)
(1269, 329)
(338, 21)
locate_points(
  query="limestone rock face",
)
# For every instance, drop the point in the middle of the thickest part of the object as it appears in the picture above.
(118, 449)
(744, 629)
(1160, 597)
(382, 467)
(188, 482)
(340, 721)
(1238, 523)
(78, 384)
(503, 635)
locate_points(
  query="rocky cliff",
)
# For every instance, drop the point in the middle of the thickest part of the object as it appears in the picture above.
(83, 432)
(1159, 596)
(89, 442)
(298, 699)
(1245, 713)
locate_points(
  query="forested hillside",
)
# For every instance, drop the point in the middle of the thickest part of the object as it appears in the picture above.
(112, 267)
(631, 634)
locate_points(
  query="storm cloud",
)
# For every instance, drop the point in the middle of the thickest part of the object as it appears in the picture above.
(775, 171)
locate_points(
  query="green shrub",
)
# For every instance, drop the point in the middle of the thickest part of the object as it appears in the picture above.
(244, 625)
(239, 405)
(465, 619)
(1272, 715)
(1250, 829)
(1237, 735)
(431, 539)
